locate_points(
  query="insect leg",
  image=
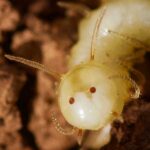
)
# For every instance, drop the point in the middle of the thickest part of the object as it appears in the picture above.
(130, 39)
(135, 91)
(137, 75)
(59, 128)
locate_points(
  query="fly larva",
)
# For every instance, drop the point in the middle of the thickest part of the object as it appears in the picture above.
(92, 94)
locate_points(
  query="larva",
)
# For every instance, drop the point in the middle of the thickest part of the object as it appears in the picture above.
(92, 94)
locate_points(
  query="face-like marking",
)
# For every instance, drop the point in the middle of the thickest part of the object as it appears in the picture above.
(86, 101)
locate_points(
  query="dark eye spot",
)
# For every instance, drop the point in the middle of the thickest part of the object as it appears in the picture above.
(71, 100)
(92, 89)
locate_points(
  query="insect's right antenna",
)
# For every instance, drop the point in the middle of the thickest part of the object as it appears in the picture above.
(95, 33)
(59, 128)
(34, 65)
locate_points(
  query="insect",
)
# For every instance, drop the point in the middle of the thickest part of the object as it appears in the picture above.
(92, 94)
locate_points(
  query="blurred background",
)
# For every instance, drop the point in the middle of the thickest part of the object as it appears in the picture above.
(40, 30)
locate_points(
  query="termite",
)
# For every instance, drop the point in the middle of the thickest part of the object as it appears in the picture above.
(92, 94)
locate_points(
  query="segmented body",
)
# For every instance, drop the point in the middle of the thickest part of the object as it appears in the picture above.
(92, 94)
(121, 40)
(130, 18)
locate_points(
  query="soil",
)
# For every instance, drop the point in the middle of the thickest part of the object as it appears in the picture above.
(40, 30)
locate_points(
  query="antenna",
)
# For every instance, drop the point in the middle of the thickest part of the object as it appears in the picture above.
(34, 65)
(95, 32)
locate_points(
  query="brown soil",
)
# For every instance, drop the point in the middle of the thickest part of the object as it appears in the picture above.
(40, 30)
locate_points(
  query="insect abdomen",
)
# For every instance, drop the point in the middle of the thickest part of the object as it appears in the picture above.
(125, 18)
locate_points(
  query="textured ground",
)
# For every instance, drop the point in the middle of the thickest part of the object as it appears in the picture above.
(40, 30)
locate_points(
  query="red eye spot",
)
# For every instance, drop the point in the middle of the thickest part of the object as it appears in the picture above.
(71, 100)
(92, 89)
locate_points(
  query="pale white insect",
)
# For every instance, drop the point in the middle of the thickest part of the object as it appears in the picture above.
(92, 94)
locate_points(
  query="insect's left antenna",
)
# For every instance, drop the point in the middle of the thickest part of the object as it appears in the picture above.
(34, 65)
(95, 32)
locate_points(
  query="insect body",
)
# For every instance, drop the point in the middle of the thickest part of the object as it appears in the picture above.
(94, 91)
